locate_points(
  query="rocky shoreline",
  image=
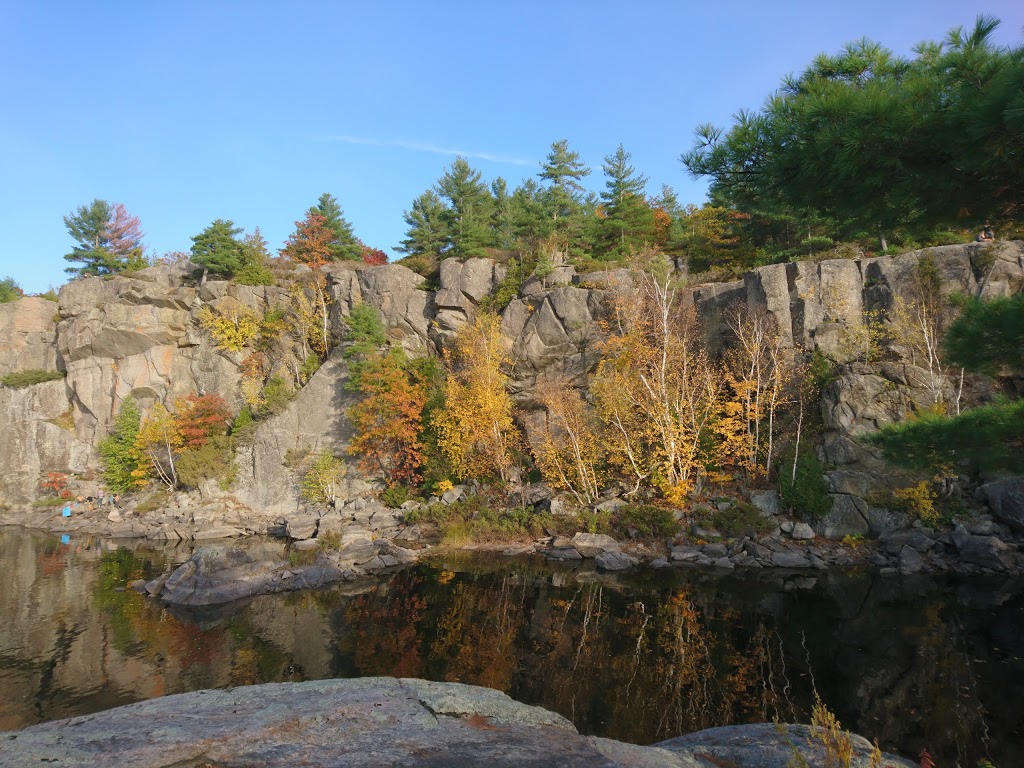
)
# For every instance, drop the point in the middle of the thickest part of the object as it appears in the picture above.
(385, 721)
(362, 538)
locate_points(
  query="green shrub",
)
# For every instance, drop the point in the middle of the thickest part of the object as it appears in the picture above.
(21, 379)
(647, 520)
(49, 501)
(309, 366)
(213, 461)
(243, 421)
(329, 540)
(9, 290)
(276, 395)
(300, 557)
(596, 521)
(807, 496)
(472, 520)
(985, 439)
(508, 288)
(741, 519)
(395, 496)
(256, 273)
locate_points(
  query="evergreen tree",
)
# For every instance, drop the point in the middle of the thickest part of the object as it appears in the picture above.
(218, 249)
(563, 170)
(502, 225)
(468, 215)
(345, 246)
(109, 239)
(877, 143)
(427, 235)
(628, 222)
(531, 223)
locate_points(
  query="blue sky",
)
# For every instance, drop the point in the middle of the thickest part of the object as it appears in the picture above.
(191, 111)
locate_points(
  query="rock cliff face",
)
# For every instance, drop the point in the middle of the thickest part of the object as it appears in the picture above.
(139, 335)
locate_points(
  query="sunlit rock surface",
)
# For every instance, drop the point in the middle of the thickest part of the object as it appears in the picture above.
(380, 722)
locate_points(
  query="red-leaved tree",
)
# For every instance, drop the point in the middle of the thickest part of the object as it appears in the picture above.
(201, 417)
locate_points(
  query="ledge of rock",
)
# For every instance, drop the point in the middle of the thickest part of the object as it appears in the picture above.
(215, 575)
(375, 722)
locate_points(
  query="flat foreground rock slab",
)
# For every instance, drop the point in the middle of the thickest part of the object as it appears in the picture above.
(362, 722)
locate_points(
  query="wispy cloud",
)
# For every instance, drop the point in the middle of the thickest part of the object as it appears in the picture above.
(424, 146)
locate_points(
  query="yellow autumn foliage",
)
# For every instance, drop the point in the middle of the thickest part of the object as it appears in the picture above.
(232, 325)
(475, 428)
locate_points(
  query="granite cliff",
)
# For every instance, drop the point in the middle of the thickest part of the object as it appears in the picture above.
(140, 335)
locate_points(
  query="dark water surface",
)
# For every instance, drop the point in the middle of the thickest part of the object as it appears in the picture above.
(913, 662)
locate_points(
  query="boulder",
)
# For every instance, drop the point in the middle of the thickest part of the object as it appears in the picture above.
(685, 554)
(615, 561)
(452, 495)
(986, 552)
(216, 575)
(767, 502)
(846, 518)
(790, 560)
(768, 745)
(301, 526)
(1005, 498)
(909, 561)
(593, 544)
(563, 554)
(802, 532)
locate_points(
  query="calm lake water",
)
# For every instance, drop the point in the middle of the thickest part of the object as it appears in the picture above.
(912, 662)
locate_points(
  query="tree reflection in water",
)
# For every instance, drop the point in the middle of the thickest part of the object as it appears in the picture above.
(913, 662)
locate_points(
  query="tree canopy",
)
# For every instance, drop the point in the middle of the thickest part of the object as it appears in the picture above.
(218, 249)
(108, 239)
(344, 246)
(875, 141)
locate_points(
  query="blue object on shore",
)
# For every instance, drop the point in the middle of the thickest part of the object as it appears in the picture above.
(66, 512)
(65, 539)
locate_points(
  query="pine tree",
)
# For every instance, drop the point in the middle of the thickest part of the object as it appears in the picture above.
(531, 223)
(470, 207)
(218, 249)
(628, 221)
(502, 225)
(109, 239)
(563, 170)
(427, 236)
(344, 246)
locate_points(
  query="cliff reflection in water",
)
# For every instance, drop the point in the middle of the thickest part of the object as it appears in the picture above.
(920, 662)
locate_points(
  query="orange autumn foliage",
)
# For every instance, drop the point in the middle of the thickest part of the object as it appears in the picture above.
(200, 417)
(388, 420)
(310, 243)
